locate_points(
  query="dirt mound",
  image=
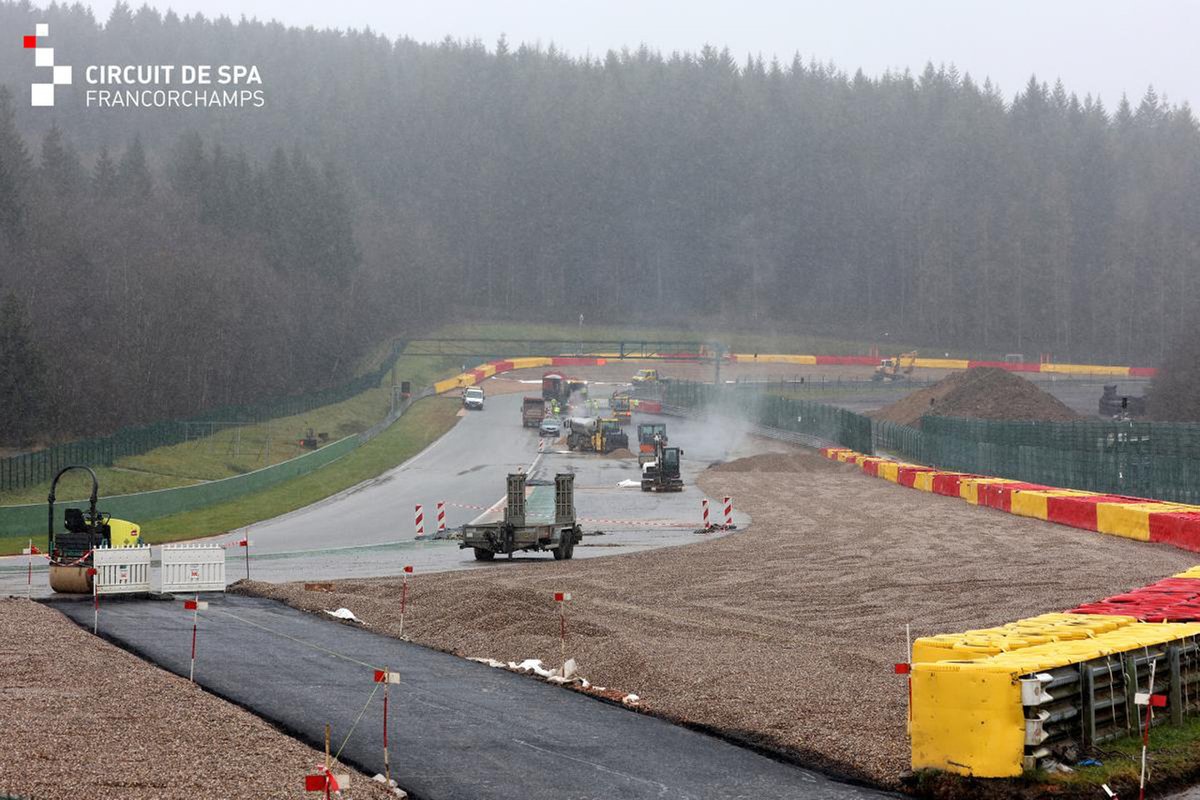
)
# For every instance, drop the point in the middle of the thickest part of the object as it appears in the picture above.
(620, 453)
(775, 462)
(982, 393)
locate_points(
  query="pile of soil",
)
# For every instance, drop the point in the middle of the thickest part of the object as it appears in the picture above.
(620, 452)
(782, 635)
(799, 461)
(981, 393)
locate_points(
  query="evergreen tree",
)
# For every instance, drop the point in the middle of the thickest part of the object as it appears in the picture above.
(22, 376)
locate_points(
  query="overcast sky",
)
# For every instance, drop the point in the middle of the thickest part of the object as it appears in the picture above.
(1105, 47)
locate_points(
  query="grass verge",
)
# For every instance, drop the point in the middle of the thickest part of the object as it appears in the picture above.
(427, 420)
(1173, 763)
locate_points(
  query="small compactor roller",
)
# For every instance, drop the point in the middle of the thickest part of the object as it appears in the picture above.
(83, 531)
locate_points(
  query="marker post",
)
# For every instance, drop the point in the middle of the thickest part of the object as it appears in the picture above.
(404, 595)
(561, 598)
(195, 606)
(387, 678)
(30, 551)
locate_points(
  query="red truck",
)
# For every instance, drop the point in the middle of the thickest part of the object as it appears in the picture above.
(533, 411)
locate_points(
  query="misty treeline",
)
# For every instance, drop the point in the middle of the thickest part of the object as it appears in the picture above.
(519, 181)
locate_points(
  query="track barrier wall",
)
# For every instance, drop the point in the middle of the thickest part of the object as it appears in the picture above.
(122, 570)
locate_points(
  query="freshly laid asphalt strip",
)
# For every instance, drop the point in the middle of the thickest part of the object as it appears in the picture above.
(458, 730)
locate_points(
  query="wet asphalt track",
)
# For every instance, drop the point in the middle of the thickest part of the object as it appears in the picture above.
(458, 730)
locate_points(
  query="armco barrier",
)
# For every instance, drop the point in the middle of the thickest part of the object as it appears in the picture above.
(190, 568)
(122, 570)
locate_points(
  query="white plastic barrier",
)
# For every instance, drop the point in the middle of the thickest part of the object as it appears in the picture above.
(191, 568)
(122, 570)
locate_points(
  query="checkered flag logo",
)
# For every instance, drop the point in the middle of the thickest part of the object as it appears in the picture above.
(42, 94)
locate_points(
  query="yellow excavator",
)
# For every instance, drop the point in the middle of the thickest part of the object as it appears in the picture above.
(896, 369)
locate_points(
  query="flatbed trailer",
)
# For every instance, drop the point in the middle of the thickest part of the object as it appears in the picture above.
(535, 518)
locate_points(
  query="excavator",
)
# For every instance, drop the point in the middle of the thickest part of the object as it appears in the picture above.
(896, 369)
(662, 474)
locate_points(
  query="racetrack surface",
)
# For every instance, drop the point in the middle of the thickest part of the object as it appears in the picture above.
(368, 530)
(459, 730)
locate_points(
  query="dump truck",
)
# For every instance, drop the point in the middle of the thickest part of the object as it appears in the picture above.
(533, 411)
(554, 388)
(71, 551)
(896, 369)
(594, 435)
(662, 474)
(537, 520)
(648, 433)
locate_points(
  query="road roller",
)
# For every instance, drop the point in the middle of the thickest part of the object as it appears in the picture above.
(84, 531)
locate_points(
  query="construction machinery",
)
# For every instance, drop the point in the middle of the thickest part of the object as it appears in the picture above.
(662, 473)
(647, 377)
(532, 520)
(533, 411)
(84, 530)
(554, 388)
(621, 406)
(1113, 405)
(896, 369)
(648, 434)
(595, 435)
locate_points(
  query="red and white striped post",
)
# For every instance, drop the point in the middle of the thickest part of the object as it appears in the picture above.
(1151, 701)
(420, 521)
(194, 606)
(30, 551)
(441, 516)
(728, 513)
(561, 598)
(387, 678)
(404, 595)
(541, 445)
(704, 508)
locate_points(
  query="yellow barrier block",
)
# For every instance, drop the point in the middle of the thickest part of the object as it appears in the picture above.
(1084, 369)
(1130, 520)
(967, 716)
(889, 470)
(924, 481)
(942, 363)
(530, 362)
(1193, 572)
(967, 719)
(773, 358)
(448, 385)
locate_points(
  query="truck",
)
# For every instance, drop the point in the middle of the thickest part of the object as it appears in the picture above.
(595, 435)
(1113, 405)
(662, 474)
(540, 520)
(648, 377)
(533, 411)
(472, 398)
(648, 433)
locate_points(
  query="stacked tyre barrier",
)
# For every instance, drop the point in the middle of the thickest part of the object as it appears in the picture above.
(1136, 518)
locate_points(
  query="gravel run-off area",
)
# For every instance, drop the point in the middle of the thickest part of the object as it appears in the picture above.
(84, 719)
(783, 635)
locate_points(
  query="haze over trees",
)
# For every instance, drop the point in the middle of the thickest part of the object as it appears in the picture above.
(187, 258)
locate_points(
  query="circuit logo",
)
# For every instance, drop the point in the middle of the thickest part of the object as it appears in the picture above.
(42, 94)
